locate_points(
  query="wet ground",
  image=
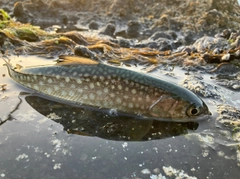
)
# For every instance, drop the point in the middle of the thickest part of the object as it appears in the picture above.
(41, 138)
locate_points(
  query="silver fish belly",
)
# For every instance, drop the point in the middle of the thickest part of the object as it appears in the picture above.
(108, 87)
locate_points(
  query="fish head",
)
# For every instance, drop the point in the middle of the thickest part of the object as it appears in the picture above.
(178, 110)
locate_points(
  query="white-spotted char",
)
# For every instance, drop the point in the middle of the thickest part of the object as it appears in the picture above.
(78, 81)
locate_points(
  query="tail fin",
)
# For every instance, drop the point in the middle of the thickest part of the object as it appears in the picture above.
(10, 66)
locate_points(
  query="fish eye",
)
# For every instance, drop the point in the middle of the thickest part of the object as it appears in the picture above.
(193, 111)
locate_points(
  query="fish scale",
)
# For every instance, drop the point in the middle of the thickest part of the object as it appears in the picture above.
(107, 87)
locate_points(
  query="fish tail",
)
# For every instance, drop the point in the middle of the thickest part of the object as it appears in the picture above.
(8, 64)
(10, 67)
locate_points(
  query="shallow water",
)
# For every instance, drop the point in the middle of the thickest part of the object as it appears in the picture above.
(35, 146)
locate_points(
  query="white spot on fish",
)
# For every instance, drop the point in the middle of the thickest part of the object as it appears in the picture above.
(64, 93)
(130, 105)
(41, 83)
(74, 73)
(62, 85)
(49, 72)
(112, 95)
(139, 99)
(92, 96)
(134, 91)
(125, 97)
(63, 73)
(98, 84)
(79, 81)
(71, 93)
(36, 87)
(120, 87)
(73, 86)
(119, 100)
(67, 79)
(85, 97)
(49, 90)
(147, 98)
(106, 82)
(105, 104)
(126, 89)
(80, 90)
(99, 92)
(105, 90)
(56, 88)
(86, 87)
(102, 78)
(44, 77)
(91, 85)
(50, 80)
(112, 87)
(58, 77)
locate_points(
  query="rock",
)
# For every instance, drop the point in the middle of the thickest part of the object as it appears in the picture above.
(226, 68)
(133, 29)
(83, 51)
(196, 84)
(229, 81)
(93, 25)
(123, 42)
(236, 43)
(18, 10)
(228, 116)
(109, 29)
(164, 45)
(2, 38)
(208, 43)
(225, 57)
(158, 35)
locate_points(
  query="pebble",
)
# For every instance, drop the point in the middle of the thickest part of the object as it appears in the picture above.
(93, 25)
(146, 171)
(109, 29)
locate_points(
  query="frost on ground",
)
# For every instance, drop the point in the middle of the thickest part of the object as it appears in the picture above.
(179, 174)
(22, 156)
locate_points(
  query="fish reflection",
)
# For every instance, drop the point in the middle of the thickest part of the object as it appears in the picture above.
(88, 122)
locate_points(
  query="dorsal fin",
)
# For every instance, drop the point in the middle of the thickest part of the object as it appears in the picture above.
(75, 60)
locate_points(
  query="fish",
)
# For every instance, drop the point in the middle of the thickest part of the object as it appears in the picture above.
(83, 81)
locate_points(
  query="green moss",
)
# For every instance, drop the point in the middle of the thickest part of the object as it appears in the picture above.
(4, 15)
(27, 34)
(4, 24)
